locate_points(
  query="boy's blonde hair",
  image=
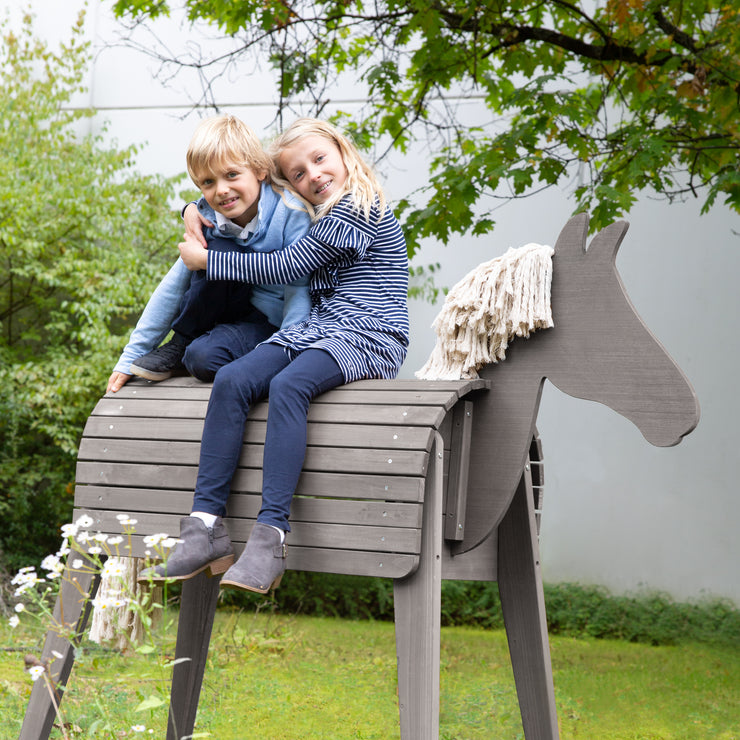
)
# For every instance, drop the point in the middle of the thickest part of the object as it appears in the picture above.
(361, 184)
(225, 140)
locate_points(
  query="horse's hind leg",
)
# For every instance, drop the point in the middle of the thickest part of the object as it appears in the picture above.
(71, 613)
(523, 606)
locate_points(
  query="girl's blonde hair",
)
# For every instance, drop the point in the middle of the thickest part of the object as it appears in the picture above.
(361, 184)
(225, 140)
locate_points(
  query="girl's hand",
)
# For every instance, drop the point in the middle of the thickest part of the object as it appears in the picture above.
(193, 253)
(117, 381)
(194, 223)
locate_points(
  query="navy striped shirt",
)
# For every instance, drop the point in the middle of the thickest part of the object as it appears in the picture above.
(359, 287)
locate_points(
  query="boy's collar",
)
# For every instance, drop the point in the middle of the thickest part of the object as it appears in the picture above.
(229, 227)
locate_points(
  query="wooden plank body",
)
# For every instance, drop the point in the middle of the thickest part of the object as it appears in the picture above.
(361, 490)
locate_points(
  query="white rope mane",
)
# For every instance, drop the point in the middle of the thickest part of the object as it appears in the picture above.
(507, 297)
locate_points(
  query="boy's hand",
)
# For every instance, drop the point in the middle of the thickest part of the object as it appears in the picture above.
(117, 381)
(194, 223)
(193, 253)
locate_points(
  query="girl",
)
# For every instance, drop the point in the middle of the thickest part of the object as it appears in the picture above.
(355, 254)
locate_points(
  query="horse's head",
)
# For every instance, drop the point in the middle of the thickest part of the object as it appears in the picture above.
(601, 350)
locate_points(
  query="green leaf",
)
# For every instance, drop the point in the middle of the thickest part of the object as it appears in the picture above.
(151, 702)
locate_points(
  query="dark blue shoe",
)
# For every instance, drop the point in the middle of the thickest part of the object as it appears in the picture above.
(163, 362)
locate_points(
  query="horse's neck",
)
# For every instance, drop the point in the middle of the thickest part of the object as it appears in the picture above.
(503, 425)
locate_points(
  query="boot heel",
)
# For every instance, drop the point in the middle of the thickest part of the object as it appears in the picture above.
(217, 567)
(276, 582)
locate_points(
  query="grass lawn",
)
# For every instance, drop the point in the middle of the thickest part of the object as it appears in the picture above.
(307, 678)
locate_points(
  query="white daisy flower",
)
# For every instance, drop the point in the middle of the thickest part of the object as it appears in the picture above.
(50, 562)
(36, 672)
(69, 530)
(85, 522)
(171, 542)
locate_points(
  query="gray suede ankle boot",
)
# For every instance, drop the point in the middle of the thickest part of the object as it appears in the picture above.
(261, 565)
(201, 548)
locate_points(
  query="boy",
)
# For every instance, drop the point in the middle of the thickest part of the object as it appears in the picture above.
(214, 322)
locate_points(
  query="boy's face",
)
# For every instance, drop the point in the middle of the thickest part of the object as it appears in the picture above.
(233, 191)
(314, 167)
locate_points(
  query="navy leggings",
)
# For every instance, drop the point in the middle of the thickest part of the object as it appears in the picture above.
(291, 386)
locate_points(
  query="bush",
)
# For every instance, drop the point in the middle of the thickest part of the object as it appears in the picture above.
(83, 240)
(572, 609)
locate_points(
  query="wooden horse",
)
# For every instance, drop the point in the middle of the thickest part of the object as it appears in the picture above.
(469, 467)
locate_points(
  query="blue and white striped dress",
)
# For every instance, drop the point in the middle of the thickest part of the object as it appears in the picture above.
(359, 287)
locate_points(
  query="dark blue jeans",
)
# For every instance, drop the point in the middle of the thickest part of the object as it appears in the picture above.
(291, 387)
(210, 302)
(226, 343)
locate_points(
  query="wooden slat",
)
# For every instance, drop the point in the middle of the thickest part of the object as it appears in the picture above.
(425, 397)
(318, 412)
(306, 534)
(324, 459)
(388, 396)
(379, 487)
(352, 562)
(337, 435)
(195, 391)
(330, 510)
(133, 500)
(151, 408)
(192, 388)
(461, 387)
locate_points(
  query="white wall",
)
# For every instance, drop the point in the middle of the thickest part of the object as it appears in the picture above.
(618, 512)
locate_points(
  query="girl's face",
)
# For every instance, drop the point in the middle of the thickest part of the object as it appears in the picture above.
(314, 168)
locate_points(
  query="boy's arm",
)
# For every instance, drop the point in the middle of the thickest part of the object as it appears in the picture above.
(296, 303)
(296, 300)
(156, 319)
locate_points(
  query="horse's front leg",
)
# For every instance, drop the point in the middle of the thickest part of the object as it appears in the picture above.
(523, 607)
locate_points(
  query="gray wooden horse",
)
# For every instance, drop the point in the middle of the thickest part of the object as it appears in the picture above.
(466, 448)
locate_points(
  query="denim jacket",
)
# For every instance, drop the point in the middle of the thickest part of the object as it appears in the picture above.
(281, 219)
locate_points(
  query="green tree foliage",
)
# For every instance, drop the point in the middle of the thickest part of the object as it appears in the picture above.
(83, 239)
(609, 98)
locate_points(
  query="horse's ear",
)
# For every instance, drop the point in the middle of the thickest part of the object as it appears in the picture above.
(572, 238)
(605, 244)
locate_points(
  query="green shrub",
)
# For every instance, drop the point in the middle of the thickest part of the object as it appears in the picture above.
(572, 609)
(83, 241)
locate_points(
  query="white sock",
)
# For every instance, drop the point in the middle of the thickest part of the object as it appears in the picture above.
(282, 532)
(208, 519)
